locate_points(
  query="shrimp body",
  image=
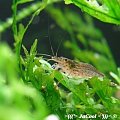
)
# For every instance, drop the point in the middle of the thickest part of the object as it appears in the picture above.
(75, 69)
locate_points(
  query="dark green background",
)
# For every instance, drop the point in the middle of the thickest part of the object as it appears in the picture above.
(43, 22)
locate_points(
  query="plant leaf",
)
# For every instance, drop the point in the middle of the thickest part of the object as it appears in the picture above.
(33, 48)
(106, 11)
(24, 1)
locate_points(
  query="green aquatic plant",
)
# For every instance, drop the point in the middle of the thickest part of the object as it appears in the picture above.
(106, 11)
(31, 89)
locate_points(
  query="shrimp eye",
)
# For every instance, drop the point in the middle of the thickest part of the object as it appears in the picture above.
(54, 65)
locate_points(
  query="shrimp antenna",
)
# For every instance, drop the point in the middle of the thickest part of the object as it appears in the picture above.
(49, 39)
(44, 54)
(58, 47)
